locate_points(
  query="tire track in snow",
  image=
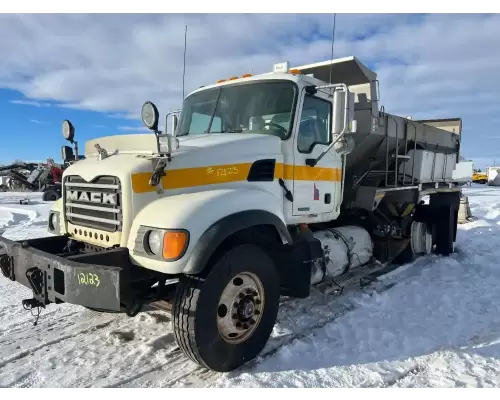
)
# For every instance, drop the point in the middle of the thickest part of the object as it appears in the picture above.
(60, 339)
(197, 376)
(113, 340)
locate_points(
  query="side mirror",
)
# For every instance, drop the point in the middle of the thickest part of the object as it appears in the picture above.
(175, 120)
(343, 112)
(67, 154)
(150, 116)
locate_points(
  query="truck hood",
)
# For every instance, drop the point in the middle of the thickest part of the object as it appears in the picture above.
(131, 154)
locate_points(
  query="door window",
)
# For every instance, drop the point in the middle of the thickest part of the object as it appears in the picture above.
(315, 124)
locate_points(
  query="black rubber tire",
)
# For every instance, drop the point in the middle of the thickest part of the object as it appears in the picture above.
(195, 310)
(50, 195)
(445, 230)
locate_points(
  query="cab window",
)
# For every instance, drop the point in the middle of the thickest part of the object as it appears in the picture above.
(315, 124)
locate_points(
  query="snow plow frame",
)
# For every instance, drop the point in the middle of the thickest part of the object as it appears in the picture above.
(101, 279)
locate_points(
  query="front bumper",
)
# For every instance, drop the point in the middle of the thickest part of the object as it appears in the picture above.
(94, 279)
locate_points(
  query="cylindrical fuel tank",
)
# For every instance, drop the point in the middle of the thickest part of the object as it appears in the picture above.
(345, 248)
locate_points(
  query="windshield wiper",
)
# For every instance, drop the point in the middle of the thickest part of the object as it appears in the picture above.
(213, 114)
(232, 131)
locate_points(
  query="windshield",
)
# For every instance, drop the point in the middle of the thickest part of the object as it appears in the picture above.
(255, 107)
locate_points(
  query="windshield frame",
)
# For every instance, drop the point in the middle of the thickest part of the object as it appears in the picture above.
(219, 88)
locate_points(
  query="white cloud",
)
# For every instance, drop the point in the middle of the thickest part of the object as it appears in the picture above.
(37, 121)
(429, 66)
(30, 103)
(137, 129)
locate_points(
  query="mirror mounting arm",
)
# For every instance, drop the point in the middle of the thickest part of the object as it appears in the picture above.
(75, 144)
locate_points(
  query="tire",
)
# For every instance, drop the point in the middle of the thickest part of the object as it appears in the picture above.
(50, 195)
(198, 308)
(445, 230)
(4, 188)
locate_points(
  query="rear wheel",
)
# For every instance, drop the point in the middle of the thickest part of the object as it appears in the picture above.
(224, 320)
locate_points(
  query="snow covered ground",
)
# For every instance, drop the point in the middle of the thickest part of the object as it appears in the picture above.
(433, 323)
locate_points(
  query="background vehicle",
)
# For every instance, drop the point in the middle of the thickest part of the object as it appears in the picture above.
(493, 176)
(479, 177)
(33, 177)
(267, 185)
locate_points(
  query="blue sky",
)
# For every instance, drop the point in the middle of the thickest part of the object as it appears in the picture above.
(33, 129)
(97, 70)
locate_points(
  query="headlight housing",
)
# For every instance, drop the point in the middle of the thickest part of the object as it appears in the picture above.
(54, 222)
(165, 244)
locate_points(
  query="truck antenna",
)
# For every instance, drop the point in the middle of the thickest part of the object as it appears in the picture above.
(184, 62)
(333, 41)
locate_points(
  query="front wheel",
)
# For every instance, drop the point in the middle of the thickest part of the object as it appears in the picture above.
(223, 321)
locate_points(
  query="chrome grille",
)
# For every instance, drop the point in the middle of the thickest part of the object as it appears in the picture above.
(95, 204)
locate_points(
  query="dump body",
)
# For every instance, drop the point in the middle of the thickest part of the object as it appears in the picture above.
(389, 151)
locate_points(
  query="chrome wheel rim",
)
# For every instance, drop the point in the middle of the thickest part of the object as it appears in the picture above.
(240, 308)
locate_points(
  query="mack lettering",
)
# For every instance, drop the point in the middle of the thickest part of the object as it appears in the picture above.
(92, 197)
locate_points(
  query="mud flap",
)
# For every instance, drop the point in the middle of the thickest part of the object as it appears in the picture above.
(295, 266)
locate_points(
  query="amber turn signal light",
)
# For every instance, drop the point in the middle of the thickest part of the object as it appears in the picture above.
(174, 244)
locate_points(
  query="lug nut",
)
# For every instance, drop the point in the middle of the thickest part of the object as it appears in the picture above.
(238, 324)
(252, 321)
(241, 295)
(257, 301)
(257, 312)
(245, 326)
(235, 305)
(235, 316)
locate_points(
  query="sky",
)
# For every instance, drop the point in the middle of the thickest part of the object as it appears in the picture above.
(97, 70)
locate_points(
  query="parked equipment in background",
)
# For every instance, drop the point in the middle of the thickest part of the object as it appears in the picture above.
(493, 176)
(33, 177)
(39, 177)
(479, 177)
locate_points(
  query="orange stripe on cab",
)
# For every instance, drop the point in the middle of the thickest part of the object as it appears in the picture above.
(218, 174)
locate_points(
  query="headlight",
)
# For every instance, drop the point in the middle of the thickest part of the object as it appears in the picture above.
(154, 242)
(165, 244)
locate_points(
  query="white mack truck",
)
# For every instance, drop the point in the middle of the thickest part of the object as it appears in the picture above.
(265, 186)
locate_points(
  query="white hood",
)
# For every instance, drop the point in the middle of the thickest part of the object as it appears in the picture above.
(132, 153)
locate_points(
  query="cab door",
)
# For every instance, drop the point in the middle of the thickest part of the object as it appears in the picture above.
(316, 190)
